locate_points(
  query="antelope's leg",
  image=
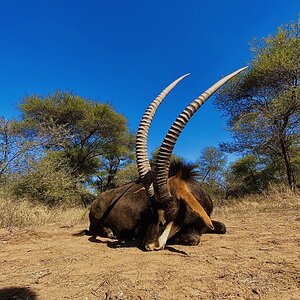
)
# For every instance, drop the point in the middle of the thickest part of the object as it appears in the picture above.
(188, 235)
(219, 228)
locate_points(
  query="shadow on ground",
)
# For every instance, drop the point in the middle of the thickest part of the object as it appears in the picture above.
(131, 244)
(20, 293)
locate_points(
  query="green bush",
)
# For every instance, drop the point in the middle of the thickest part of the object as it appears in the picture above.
(48, 182)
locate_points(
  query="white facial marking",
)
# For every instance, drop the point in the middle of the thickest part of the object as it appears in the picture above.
(164, 237)
(174, 229)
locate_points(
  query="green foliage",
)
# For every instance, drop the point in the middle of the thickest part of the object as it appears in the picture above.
(49, 182)
(127, 174)
(211, 168)
(61, 145)
(244, 176)
(252, 174)
(263, 105)
(211, 165)
(92, 138)
(15, 151)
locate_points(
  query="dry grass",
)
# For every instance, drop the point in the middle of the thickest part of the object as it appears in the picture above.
(21, 213)
(277, 197)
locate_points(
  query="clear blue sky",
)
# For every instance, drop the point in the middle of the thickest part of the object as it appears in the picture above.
(126, 52)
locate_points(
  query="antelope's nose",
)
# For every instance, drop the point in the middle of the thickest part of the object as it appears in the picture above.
(153, 247)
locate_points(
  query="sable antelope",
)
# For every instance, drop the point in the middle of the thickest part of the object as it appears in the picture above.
(167, 204)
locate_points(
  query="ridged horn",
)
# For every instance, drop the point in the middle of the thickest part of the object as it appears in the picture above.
(141, 151)
(162, 164)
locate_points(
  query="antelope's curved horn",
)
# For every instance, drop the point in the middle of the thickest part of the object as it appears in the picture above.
(162, 164)
(141, 151)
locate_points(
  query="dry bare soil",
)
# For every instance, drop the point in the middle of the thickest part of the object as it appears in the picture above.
(258, 258)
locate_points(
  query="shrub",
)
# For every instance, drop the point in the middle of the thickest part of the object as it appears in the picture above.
(48, 182)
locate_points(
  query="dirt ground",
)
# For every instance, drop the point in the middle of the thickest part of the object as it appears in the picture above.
(259, 258)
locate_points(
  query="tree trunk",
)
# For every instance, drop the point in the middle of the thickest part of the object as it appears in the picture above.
(288, 166)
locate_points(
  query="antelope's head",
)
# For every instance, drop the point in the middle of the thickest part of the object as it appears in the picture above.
(166, 204)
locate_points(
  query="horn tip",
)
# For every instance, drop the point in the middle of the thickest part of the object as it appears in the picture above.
(185, 75)
(244, 68)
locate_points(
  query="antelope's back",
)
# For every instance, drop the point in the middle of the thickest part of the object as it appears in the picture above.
(125, 210)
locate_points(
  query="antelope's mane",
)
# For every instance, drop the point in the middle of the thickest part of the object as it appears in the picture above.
(183, 169)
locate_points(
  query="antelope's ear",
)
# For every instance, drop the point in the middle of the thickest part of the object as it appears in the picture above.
(183, 192)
